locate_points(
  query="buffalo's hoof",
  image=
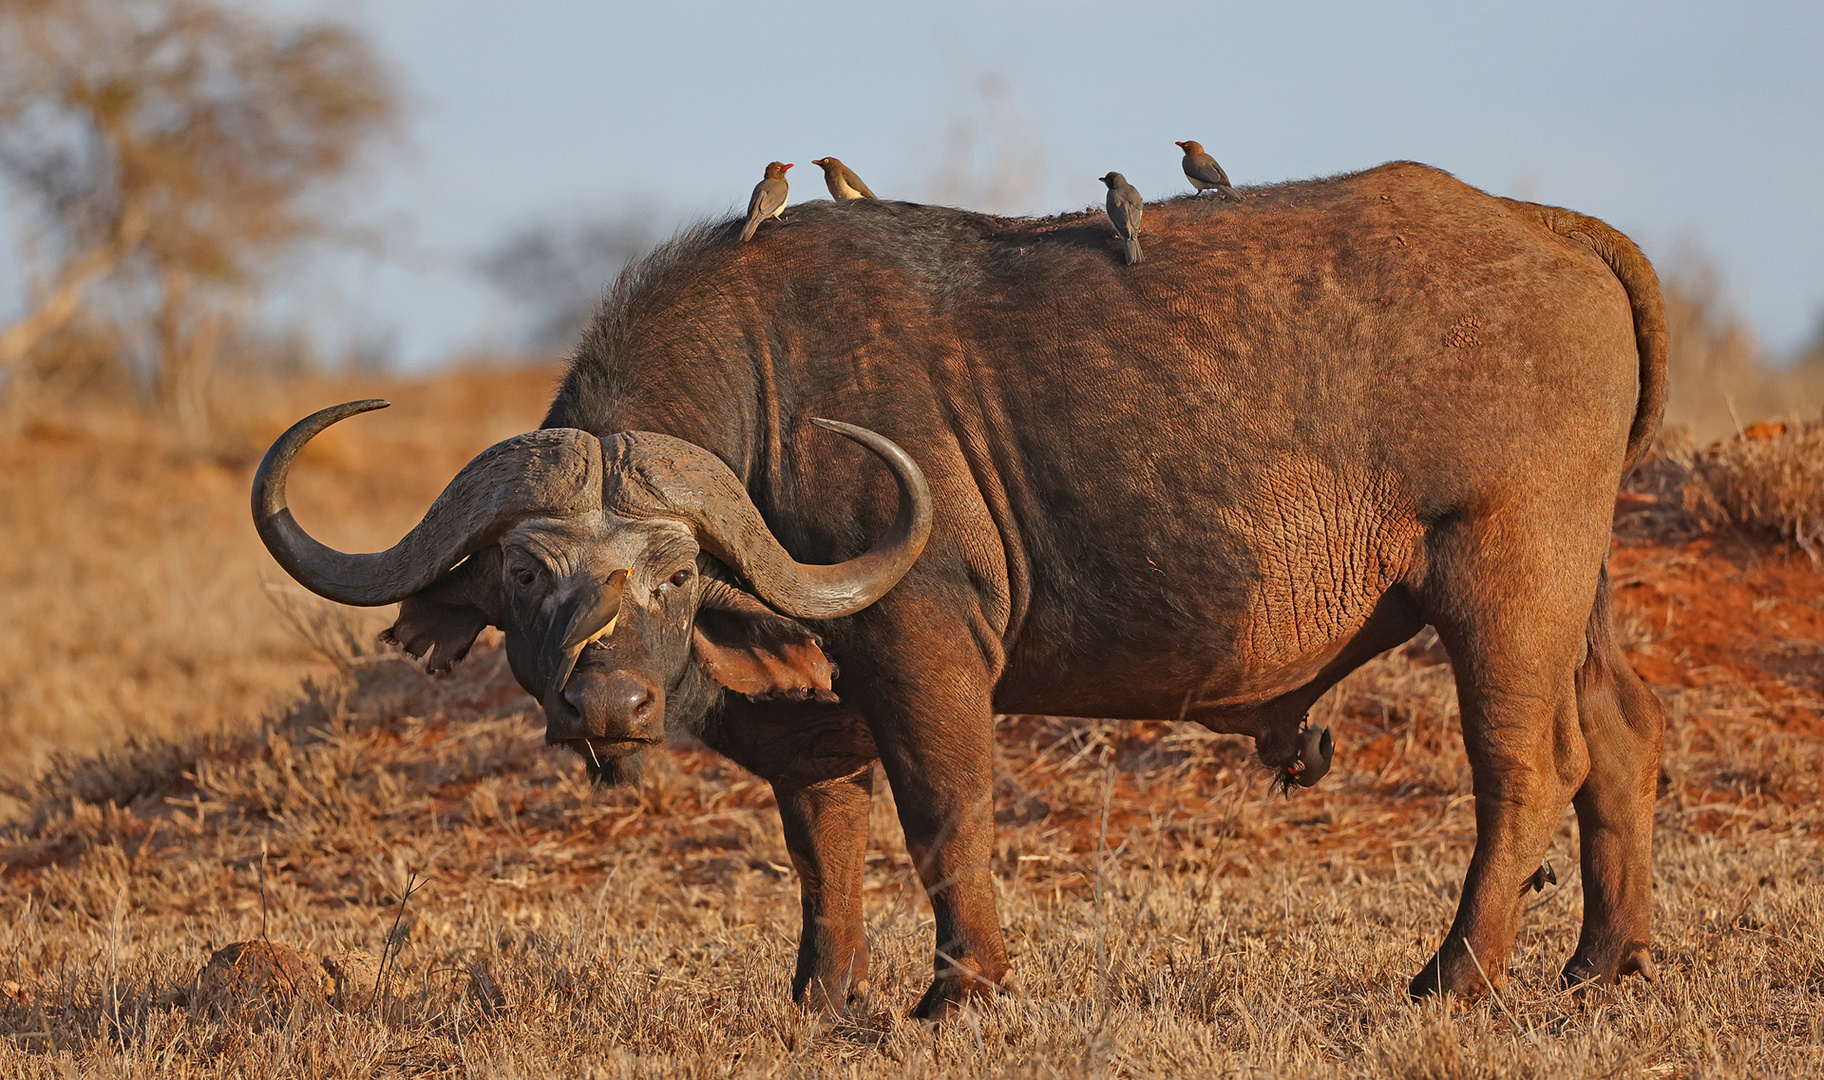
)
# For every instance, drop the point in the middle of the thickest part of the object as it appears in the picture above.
(1457, 975)
(1638, 961)
(950, 991)
(826, 1001)
(1425, 983)
(1581, 970)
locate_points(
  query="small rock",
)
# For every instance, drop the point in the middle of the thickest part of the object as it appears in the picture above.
(261, 973)
(356, 976)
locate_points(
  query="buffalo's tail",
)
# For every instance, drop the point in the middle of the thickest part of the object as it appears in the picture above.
(1642, 285)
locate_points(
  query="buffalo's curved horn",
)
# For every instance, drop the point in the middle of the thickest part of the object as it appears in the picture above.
(556, 471)
(662, 475)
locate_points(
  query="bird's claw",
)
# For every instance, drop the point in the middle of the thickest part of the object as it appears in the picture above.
(1539, 879)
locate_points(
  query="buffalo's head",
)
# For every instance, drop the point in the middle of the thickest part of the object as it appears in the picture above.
(619, 569)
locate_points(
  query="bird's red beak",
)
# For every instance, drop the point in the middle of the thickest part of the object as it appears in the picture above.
(788, 168)
(1180, 144)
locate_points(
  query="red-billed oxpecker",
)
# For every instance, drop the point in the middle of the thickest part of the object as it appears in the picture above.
(1203, 172)
(768, 199)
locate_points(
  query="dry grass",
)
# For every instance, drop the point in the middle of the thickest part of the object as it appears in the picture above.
(1766, 483)
(132, 600)
(1773, 484)
(566, 930)
(650, 932)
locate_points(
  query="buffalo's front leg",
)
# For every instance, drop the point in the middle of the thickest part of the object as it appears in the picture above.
(933, 724)
(820, 761)
(826, 831)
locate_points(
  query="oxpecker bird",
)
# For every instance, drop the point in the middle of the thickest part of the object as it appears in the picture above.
(1203, 172)
(1124, 209)
(768, 200)
(843, 183)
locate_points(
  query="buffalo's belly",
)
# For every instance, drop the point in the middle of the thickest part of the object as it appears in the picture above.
(1196, 673)
(1214, 611)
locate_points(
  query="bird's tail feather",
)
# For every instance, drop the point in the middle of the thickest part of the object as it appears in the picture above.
(753, 222)
(1133, 249)
(1229, 192)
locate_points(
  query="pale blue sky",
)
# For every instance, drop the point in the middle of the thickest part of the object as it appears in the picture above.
(1684, 124)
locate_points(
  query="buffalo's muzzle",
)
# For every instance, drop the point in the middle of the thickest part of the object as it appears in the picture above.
(606, 707)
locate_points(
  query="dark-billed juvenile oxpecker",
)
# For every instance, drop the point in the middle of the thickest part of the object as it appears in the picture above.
(1315, 748)
(1203, 172)
(842, 181)
(768, 199)
(1124, 210)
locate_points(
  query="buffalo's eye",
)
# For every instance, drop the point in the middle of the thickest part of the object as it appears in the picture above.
(525, 577)
(678, 579)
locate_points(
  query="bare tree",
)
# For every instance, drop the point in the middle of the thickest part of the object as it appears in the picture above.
(176, 150)
(555, 274)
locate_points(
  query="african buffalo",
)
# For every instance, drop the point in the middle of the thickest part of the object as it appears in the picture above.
(1205, 487)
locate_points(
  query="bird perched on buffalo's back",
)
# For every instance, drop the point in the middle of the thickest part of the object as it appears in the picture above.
(1203, 172)
(842, 181)
(1124, 209)
(768, 199)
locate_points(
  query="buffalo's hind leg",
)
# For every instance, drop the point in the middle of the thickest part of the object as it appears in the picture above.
(1623, 725)
(1512, 615)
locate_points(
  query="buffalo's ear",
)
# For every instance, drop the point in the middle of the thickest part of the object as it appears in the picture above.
(444, 618)
(753, 650)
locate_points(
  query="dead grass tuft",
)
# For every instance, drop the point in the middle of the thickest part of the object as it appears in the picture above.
(1771, 483)
(1767, 482)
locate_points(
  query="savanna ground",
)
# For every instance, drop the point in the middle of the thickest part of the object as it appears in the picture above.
(1168, 914)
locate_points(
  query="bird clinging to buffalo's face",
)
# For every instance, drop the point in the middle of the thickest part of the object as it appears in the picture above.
(844, 185)
(768, 199)
(1203, 172)
(1125, 208)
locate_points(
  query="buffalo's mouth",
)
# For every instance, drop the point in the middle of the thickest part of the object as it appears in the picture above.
(600, 750)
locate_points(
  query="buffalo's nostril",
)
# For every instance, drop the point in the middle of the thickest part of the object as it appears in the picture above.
(614, 705)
